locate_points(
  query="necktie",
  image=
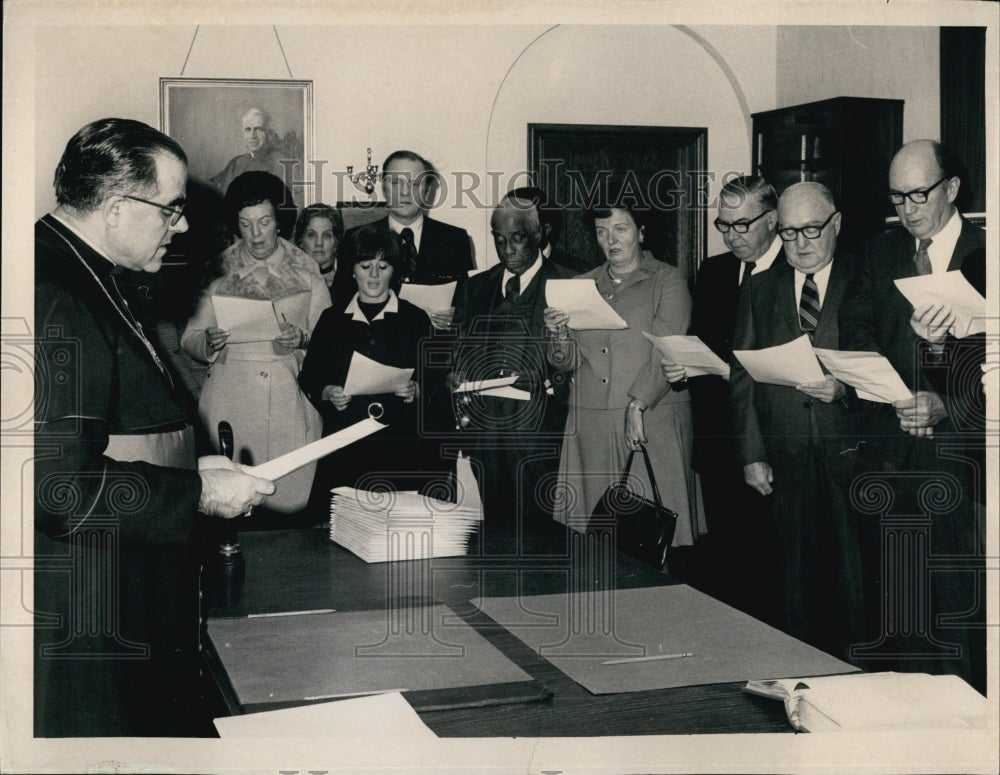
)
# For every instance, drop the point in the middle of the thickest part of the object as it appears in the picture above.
(513, 287)
(408, 254)
(809, 306)
(921, 259)
(749, 266)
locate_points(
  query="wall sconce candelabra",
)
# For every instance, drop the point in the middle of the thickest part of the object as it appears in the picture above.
(367, 180)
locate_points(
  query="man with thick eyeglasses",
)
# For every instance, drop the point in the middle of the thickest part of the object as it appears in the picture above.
(937, 435)
(736, 556)
(173, 211)
(791, 439)
(120, 499)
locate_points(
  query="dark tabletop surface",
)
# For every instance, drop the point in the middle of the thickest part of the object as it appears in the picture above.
(302, 570)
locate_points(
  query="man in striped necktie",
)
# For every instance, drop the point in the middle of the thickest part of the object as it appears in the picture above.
(791, 439)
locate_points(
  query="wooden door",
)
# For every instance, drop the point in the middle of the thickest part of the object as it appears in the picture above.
(665, 166)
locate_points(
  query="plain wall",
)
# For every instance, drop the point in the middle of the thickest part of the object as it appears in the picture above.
(902, 63)
(463, 96)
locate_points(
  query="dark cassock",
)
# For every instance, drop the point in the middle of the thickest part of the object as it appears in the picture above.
(116, 561)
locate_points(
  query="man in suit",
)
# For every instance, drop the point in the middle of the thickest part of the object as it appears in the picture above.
(501, 331)
(791, 439)
(922, 438)
(552, 222)
(735, 560)
(433, 253)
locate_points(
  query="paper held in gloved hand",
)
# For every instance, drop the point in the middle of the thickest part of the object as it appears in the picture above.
(294, 460)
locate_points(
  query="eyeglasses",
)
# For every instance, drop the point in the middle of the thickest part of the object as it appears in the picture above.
(918, 195)
(176, 213)
(790, 233)
(740, 227)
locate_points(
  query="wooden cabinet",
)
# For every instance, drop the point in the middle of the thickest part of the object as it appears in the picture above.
(845, 143)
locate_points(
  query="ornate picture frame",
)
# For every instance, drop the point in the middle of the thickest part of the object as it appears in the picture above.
(206, 116)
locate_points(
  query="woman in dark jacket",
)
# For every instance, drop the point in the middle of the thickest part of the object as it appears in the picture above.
(379, 325)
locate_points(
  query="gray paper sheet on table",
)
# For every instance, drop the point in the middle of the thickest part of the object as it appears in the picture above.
(322, 656)
(726, 645)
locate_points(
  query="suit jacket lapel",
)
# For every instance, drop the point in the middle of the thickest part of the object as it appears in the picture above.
(787, 308)
(966, 244)
(827, 334)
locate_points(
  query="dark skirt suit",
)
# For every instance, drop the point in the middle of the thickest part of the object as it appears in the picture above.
(392, 457)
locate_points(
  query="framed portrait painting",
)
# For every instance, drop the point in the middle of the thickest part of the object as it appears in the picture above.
(230, 126)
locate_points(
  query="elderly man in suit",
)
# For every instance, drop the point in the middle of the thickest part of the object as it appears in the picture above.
(433, 253)
(501, 331)
(735, 559)
(921, 439)
(791, 439)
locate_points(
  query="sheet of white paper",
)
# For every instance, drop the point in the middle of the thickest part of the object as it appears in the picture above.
(294, 460)
(690, 352)
(949, 288)
(869, 373)
(430, 298)
(789, 364)
(246, 320)
(486, 384)
(507, 392)
(586, 307)
(366, 377)
(386, 715)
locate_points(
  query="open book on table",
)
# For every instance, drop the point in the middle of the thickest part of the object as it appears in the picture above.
(876, 701)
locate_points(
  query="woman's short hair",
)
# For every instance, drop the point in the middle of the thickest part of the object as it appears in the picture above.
(254, 188)
(637, 212)
(318, 210)
(369, 242)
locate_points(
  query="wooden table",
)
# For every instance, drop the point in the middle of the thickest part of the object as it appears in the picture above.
(301, 570)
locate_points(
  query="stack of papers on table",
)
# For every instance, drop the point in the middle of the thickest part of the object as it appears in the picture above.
(389, 526)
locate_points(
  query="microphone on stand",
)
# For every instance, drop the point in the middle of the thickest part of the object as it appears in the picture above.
(230, 544)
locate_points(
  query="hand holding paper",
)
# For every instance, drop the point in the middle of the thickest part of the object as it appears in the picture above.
(691, 353)
(431, 299)
(246, 320)
(294, 460)
(953, 290)
(367, 377)
(586, 308)
(869, 373)
(791, 364)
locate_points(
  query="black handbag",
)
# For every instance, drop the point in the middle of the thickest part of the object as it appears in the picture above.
(642, 528)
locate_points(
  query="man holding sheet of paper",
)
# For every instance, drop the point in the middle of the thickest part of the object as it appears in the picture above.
(513, 443)
(791, 439)
(935, 436)
(740, 538)
(367, 356)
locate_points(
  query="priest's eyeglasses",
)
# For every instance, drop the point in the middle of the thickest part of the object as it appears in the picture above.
(790, 233)
(176, 213)
(918, 195)
(740, 227)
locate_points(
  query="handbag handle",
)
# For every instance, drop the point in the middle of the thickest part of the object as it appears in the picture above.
(623, 481)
